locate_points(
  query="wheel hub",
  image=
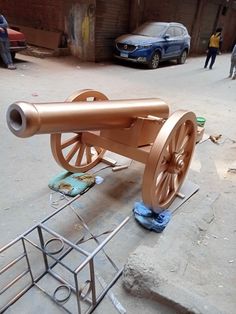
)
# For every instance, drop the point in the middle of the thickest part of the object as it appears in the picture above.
(176, 163)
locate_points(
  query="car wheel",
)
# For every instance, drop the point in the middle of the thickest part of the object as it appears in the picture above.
(13, 54)
(155, 60)
(182, 58)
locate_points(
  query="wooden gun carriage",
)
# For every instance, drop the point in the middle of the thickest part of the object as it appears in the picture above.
(140, 129)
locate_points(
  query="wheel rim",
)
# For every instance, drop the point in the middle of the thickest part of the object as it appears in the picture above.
(169, 160)
(155, 60)
(183, 57)
(69, 150)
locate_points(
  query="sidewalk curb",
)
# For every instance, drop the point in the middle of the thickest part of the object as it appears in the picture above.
(155, 273)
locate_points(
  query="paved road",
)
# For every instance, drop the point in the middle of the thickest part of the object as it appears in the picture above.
(27, 165)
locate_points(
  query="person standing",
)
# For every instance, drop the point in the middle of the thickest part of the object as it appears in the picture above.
(232, 71)
(214, 46)
(5, 45)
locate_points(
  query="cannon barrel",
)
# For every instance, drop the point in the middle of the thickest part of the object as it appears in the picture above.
(26, 119)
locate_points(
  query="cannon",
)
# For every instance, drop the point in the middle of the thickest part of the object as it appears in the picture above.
(87, 124)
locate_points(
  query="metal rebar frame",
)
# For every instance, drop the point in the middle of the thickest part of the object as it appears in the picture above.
(85, 295)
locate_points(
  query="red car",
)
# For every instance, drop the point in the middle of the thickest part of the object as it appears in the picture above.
(17, 41)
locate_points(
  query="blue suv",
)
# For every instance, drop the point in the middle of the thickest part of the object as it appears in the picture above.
(154, 42)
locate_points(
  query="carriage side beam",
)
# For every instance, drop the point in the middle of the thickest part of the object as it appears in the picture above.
(139, 154)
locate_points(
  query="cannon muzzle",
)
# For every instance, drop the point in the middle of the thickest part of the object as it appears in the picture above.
(26, 119)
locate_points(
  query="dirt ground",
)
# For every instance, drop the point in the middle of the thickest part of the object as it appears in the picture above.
(197, 251)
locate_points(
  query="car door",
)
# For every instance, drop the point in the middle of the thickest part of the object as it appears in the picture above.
(173, 42)
(169, 43)
(179, 40)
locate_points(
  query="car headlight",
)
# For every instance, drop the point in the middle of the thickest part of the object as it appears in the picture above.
(144, 46)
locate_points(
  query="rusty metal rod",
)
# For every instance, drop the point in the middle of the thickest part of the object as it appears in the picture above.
(26, 119)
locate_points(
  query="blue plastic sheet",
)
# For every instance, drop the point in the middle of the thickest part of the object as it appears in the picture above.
(150, 220)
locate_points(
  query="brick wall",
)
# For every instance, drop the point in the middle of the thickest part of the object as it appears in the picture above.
(171, 11)
(76, 18)
(41, 14)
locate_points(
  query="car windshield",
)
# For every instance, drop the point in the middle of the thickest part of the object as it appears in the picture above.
(151, 30)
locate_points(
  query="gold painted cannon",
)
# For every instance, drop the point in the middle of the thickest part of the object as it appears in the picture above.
(139, 129)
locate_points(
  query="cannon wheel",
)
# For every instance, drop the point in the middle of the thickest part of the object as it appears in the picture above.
(169, 160)
(71, 153)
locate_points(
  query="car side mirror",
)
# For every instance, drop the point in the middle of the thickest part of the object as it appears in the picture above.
(166, 36)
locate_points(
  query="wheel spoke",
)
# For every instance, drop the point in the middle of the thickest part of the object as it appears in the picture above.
(98, 149)
(185, 154)
(180, 135)
(178, 180)
(163, 166)
(164, 190)
(173, 185)
(161, 177)
(167, 154)
(70, 141)
(184, 143)
(88, 154)
(166, 186)
(80, 155)
(162, 181)
(172, 146)
(72, 152)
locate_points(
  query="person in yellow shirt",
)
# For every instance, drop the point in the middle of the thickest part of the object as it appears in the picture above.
(214, 46)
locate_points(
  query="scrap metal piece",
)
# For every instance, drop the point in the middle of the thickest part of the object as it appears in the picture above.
(215, 138)
(118, 168)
